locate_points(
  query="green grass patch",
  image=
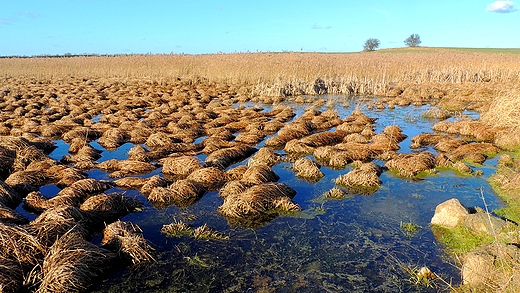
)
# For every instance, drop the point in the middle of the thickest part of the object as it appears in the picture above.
(460, 239)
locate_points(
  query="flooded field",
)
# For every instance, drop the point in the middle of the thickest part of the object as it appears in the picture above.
(374, 241)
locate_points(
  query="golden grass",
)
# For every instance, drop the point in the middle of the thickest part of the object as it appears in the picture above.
(258, 174)
(287, 73)
(308, 169)
(210, 178)
(128, 241)
(222, 158)
(259, 199)
(180, 166)
(72, 264)
(181, 193)
(411, 164)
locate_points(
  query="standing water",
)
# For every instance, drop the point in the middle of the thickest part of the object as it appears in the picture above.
(358, 243)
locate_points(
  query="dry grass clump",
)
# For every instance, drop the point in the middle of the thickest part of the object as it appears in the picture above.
(441, 160)
(92, 186)
(113, 138)
(364, 179)
(462, 167)
(176, 229)
(295, 146)
(427, 139)
(259, 199)
(434, 113)
(122, 168)
(106, 208)
(395, 132)
(332, 156)
(294, 130)
(161, 140)
(7, 158)
(8, 196)
(73, 264)
(127, 240)
(383, 142)
(10, 216)
(477, 130)
(130, 182)
(324, 138)
(27, 155)
(234, 188)
(181, 193)
(236, 173)
(250, 138)
(357, 151)
(210, 178)
(84, 159)
(411, 164)
(472, 150)
(180, 166)
(258, 174)
(24, 182)
(264, 156)
(336, 193)
(84, 133)
(139, 153)
(153, 182)
(222, 158)
(11, 275)
(308, 169)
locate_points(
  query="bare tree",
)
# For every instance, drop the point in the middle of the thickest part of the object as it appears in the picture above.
(413, 40)
(371, 44)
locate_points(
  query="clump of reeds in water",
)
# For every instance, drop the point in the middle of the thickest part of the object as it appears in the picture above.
(9, 196)
(72, 264)
(258, 199)
(210, 178)
(258, 174)
(363, 179)
(336, 193)
(122, 168)
(10, 216)
(181, 193)
(264, 156)
(106, 208)
(296, 146)
(24, 182)
(176, 229)
(180, 166)
(410, 165)
(308, 169)
(128, 241)
(112, 138)
(472, 150)
(222, 158)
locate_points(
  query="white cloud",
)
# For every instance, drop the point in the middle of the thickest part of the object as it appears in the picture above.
(319, 27)
(502, 7)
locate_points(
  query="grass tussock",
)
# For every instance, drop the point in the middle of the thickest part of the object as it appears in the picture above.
(259, 199)
(223, 158)
(364, 179)
(210, 178)
(128, 241)
(264, 156)
(259, 174)
(308, 169)
(180, 166)
(73, 264)
(410, 165)
(181, 193)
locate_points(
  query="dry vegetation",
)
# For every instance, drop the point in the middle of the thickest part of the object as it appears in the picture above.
(165, 103)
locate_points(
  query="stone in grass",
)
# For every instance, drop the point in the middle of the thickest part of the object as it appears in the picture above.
(450, 213)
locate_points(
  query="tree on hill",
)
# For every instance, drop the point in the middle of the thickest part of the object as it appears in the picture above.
(413, 40)
(371, 44)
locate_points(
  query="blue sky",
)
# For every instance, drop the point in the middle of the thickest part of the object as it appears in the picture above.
(202, 26)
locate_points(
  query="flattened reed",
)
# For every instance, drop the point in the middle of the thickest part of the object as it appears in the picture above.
(106, 208)
(8, 196)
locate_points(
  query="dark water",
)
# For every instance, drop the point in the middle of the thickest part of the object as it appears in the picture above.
(354, 244)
